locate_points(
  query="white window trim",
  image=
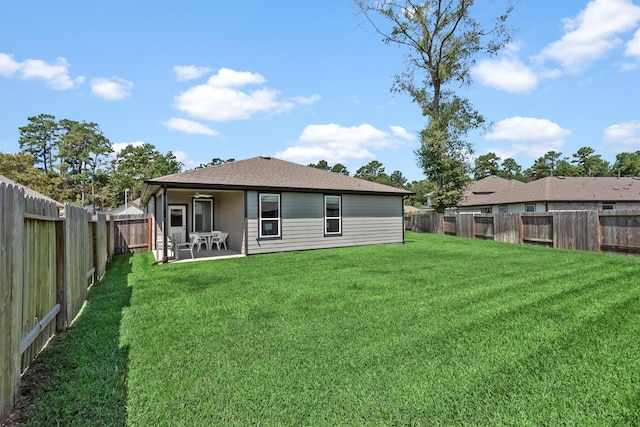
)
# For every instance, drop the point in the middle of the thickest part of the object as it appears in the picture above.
(529, 204)
(193, 208)
(339, 217)
(278, 219)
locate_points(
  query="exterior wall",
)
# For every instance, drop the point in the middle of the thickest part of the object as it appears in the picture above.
(511, 208)
(572, 206)
(366, 220)
(229, 218)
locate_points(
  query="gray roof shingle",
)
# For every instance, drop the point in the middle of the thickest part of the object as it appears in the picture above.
(494, 190)
(271, 173)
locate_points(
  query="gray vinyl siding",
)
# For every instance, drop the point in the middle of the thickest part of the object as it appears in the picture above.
(229, 218)
(366, 220)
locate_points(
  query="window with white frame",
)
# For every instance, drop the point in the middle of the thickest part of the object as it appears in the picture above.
(269, 215)
(485, 210)
(333, 214)
(529, 208)
(608, 206)
(503, 209)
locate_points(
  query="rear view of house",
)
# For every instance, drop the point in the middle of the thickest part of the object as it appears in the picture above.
(270, 205)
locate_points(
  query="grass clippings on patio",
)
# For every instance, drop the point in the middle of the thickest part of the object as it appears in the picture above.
(439, 331)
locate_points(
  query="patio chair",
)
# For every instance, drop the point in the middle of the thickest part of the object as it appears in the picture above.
(198, 239)
(186, 246)
(221, 240)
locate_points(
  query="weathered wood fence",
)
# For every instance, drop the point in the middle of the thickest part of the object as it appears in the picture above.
(47, 263)
(613, 231)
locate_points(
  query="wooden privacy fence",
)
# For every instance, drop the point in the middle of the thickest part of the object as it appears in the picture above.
(46, 265)
(614, 231)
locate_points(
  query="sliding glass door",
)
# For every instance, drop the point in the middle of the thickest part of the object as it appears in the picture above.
(202, 215)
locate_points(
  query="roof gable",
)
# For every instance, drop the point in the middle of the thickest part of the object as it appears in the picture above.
(271, 173)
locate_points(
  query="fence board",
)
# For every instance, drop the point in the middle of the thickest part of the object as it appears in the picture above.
(576, 230)
(484, 228)
(77, 258)
(537, 228)
(131, 233)
(620, 231)
(465, 226)
(449, 225)
(507, 228)
(11, 279)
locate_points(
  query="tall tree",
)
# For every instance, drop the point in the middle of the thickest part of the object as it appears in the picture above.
(214, 162)
(545, 166)
(40, 139)
(486, 165)
(20, 168)
(510, 169)
(443, 41)
(373, 169)
(627, 164)
(136, 164)
(83, 153)
(422, 189)
(337, 168)
(590, 164)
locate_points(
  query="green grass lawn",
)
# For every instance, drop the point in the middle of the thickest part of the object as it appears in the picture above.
(438, 331)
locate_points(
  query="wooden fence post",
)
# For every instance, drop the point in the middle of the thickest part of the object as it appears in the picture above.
(61, 294)
(12, 206)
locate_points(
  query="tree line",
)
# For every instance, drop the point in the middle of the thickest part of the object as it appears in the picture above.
(73, 162)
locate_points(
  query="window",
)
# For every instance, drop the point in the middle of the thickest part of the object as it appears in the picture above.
(503, 209)
(202, 215)
(485, 210)
(269, 215)
(608, 206)
(332, 215)
(529, 208)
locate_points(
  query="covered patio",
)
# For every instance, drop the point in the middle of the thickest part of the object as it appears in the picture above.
(204, 254)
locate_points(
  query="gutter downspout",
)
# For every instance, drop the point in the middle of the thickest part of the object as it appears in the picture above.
(165, 224)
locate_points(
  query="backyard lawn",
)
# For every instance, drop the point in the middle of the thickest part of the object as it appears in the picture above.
(438, 331)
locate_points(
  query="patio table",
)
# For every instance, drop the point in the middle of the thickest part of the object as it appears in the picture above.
(209, 237)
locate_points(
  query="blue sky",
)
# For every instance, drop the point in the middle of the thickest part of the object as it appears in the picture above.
(310, 80)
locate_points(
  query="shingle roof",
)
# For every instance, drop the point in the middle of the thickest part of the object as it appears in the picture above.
(269, 173)
(494, 190)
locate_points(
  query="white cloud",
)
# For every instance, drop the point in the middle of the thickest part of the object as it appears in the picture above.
(633, 45)
(189, 72)
(112, 89)
(506, 74)
(232, 78)
(593, 33)
(55, 75)
(535, 136)
(626, 134)
(221, 98)
(189, 126)
(337, 144)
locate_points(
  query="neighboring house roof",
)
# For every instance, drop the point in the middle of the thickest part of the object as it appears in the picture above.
(29, 192)
(262, 173)
(494, 190)
(134, 206)
(410, 209)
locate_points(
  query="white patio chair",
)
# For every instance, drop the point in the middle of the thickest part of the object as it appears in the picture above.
(184, 246)
(221, 240)
(198, 239)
